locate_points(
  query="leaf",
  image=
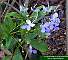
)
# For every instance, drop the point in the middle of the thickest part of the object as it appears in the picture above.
(36, 16)
(6, 58)
(30, 36)
(8, 24)
(11, 14)
(41, 46)
(17, 56)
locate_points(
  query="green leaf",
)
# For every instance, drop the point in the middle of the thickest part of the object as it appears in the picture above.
(17, 56)
(6, 58)
(41, 46)
(30, 36)
(11, 14)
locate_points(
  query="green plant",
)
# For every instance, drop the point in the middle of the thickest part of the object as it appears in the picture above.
(11, 33)
(22, 31)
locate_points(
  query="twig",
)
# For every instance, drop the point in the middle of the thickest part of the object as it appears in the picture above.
(26, 55)
(61, 2)
(12, 7)
(4, 11)
(17, 3)
(6, 51)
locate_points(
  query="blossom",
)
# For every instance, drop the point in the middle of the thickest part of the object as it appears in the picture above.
(55, 15)
(52, 25)
(45, 27)
(34, 51)
(55, 21)
(61, 13)
(45, 9)
(32, 9)
(35, 9)
(28, 25)
(23, 9)
(30, 49)
(56, 28)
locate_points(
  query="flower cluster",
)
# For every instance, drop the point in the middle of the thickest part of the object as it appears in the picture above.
(46, 27)
(53, 24)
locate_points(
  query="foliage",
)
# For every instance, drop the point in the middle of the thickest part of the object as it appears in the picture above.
(19, 29)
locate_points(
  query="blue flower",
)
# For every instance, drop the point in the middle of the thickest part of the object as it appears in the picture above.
(42, 29)
(45, 9)
(35, 9)
(34, 51)
(45, 27)
(47, 30)
(56, 28)
(28, 25)
(30, 49)
(55, 21)
(52, 25)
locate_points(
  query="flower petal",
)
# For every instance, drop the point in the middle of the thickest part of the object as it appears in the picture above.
(34, 51)
(51, 27)
(28, 21)
(47, 30)
(45, 9)
(55, 15)
(56, 28)
(43, 30)
(32, 25)
(28, 27)
(24, 26)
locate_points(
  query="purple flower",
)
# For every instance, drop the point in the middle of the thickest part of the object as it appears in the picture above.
(34, 51)
(47, 30)
(54, 20)
(45, 27)
(52, 25)
(28, 25)
(56, 28)
(61, 13)
(42, 29)
(45, 9)
(30, 49)
(55, 15)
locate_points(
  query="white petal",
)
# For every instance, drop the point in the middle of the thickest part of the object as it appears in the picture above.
(55, 15)
(30, 49)
(28, 21)
(32, 25)
(28, 28)
(50, 9)
(21, 7)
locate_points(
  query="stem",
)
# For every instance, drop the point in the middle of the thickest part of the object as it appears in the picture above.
(4, 10)
(26, 55)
